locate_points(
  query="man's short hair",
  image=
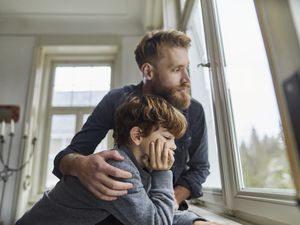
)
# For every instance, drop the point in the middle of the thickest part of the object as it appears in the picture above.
(149, 113)
(148, 50)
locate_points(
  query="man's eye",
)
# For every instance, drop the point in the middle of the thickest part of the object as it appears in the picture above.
(177, 69)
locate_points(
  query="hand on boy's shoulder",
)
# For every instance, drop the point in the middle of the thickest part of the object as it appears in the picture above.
(125, 165)
(96, 175)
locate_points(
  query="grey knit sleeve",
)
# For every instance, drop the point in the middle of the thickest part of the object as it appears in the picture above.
(138, 207)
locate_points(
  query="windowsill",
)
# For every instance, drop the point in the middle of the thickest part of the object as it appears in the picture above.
(211, 216)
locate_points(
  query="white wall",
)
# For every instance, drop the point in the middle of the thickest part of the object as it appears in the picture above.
(15, 68)
(130, 71)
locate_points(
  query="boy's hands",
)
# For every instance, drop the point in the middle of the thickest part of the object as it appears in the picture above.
(160, 157)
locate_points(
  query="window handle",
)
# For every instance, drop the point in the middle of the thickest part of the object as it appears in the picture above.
(204, 65)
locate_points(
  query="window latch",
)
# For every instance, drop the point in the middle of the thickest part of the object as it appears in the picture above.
(204, 65)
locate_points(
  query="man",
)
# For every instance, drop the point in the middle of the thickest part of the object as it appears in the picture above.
(163, 59)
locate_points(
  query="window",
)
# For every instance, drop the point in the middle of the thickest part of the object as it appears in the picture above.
(232, 77)
(76, 90)
(61, 133)
(295, 8)
(255, 120)
(80, 85)
(182, 4)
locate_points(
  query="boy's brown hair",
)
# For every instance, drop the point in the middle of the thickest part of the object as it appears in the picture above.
(147, 51)
(147, 112)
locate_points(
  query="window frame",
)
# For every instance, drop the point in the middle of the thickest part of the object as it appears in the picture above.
(51, 56)
(78, 111)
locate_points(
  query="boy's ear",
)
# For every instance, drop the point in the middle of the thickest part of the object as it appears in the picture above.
(136, 135)
(147, 70)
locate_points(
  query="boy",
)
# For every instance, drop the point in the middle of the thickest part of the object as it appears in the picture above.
(145, 131)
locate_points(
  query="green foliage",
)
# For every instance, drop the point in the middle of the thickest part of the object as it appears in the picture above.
(264, 162)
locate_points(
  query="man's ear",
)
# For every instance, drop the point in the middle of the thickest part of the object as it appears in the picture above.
(136, 135)
(147, 70)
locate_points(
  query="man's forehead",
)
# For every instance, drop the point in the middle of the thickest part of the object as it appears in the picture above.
(175, 55)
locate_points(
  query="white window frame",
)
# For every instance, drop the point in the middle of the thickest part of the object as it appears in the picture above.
(248, 204)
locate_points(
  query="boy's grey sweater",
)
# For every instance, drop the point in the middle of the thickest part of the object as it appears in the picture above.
(149, 202)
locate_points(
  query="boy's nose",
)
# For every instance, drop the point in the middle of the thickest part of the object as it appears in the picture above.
(173, 145)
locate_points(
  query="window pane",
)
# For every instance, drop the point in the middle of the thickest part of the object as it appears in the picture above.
(201, 91)
(80, 85)
(255, 116)
(295, 9)
(182, 4)
(61, 133)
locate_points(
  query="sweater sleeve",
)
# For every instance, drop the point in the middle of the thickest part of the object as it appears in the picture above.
(198, 163)
(186, 217)
(137, 206)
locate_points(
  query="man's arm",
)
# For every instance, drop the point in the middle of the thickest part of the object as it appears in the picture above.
(198, 163)
(181, 193)
(91, 169)
(90, 135)
(94, 173)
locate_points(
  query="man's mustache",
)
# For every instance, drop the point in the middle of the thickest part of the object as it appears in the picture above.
(184, 86)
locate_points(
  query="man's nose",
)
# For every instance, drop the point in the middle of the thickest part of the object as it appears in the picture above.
(186, 76)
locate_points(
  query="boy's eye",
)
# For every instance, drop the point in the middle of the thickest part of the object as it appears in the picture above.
(167, 137)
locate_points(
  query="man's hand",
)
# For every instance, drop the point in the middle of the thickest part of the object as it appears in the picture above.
(94, 173)
(181, 193)
(207, 223)
(160, 157)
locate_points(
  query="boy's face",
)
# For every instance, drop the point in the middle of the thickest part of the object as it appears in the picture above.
(164, 135)
(171, 79)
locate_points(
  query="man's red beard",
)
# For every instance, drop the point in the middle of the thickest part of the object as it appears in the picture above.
(178, 96)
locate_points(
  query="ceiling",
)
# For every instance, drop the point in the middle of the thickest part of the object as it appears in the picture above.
(77, 16)
(69, 7)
